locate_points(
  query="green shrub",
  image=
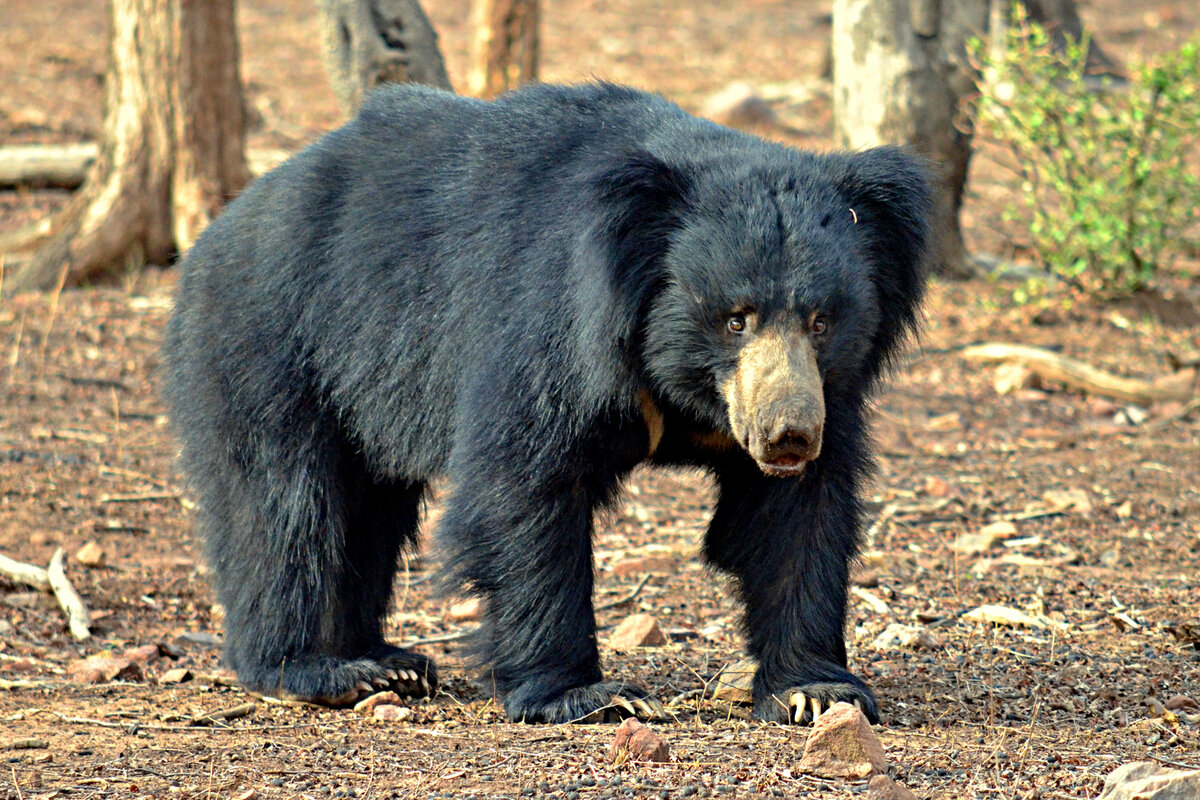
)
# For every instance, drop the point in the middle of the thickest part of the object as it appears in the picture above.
(1109, 183)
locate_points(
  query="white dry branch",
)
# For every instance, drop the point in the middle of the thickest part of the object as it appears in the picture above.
(27, 574)
(1048, 365)
(78, 619)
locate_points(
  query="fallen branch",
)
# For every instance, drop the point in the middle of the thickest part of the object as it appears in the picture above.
(626, 598)
(1072, 372)
(211, 717)
(78, 619)
(65, 166)
(27, 574)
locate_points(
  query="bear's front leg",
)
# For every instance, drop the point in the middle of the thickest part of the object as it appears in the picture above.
(789, 542)
(523, 542)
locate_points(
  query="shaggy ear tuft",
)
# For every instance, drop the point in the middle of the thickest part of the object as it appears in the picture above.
(645, 199)
(892, 196)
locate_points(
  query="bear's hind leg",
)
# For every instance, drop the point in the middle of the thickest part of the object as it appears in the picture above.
(384, 523)
(304, 588)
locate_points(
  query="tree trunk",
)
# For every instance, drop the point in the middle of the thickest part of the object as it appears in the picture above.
(173, 144)
(504, 46)
(900, 75)
(370, 42)
(900, 71)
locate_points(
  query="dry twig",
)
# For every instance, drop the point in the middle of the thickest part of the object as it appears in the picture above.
(78, 619)
(1076, 374)
(27, 574)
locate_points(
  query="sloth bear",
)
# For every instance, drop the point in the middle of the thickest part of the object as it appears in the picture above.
(527, 298)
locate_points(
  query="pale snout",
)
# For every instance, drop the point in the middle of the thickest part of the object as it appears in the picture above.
(776, 403)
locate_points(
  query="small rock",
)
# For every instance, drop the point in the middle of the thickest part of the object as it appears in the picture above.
(1124, 511)
(367, 705)
(177, 675)
(1147, 780)
(905, 637)
(390, 713)
(842, 745)
(1131, 415)
(206, 641)
(103, 668)
(637, 630)
(882, 787)
(90, 555)
(735, 683)
(146, 654)
(1012, 376)
(1001, 530)
(972, 544)
(738, 105)
(1101, 407)
(1077, 500)
(936, 487)
(467, 610)
(1182, 703)
(637, 742)
(648, 565)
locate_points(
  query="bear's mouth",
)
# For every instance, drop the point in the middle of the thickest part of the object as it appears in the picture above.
(784, 466)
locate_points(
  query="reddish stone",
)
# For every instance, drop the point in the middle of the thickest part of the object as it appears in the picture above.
(639, 742)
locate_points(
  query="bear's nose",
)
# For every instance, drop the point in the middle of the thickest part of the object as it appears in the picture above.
(791, 441)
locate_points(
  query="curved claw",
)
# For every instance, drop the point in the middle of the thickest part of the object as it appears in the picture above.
(620, 704)
(363, 686)
(644, 707)
(392, 674)
(379, 683)
(425, 685)
(797, 704)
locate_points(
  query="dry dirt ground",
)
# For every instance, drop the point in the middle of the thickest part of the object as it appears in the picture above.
(1103, 498)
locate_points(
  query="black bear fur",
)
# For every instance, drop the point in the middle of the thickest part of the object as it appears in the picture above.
(529, 297)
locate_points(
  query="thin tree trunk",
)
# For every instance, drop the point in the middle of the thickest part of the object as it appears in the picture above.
(900, 75)
(172, 150)
(900, 72)
(371, 42)
(504, 46)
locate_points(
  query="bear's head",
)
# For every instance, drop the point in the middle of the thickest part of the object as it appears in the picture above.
(773, 286)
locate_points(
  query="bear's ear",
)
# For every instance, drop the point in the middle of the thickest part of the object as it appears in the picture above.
(892, 197)
(644, 201)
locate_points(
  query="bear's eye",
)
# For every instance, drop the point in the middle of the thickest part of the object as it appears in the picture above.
(736, 323)
(818, 325)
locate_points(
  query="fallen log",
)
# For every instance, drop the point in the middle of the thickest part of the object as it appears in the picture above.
(64, 166)
(1051, 366)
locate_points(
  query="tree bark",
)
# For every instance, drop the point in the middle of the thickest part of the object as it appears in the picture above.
(172, 150)
(371, 42)
(900, 75)
(504, 46)
(900, 71)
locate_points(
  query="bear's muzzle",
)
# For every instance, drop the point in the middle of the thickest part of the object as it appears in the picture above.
(776, 401)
